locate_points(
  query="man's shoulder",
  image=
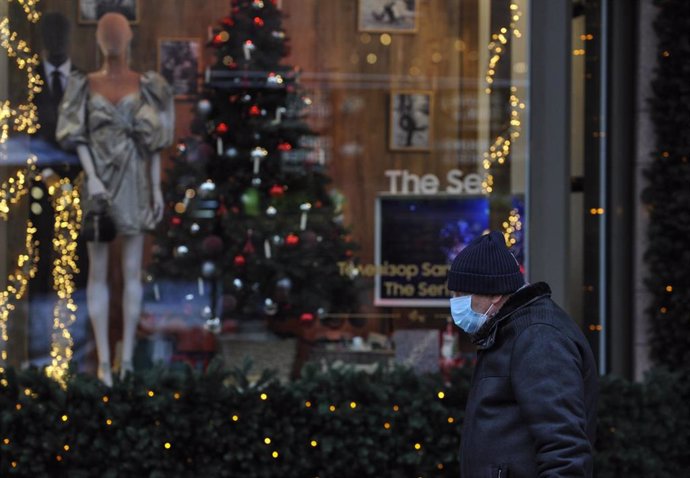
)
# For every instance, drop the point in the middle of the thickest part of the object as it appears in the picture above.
(546, 315)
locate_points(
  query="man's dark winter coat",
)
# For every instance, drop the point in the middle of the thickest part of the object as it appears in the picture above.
(531, 411)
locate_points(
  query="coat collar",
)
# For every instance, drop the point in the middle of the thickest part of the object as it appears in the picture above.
(486, 335)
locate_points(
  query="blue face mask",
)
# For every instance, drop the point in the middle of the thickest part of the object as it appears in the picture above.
(463, 315)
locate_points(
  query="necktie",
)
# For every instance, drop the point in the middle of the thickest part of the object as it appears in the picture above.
(56, 85)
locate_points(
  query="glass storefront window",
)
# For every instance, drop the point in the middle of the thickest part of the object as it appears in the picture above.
(328, 161)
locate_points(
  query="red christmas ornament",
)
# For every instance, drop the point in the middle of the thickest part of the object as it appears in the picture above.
(258, 22)
(276, 191)
(222, 210)
(222, 128)
(217, 39)
(292, 239)
(255, 110)
(306, 317)
(176, 221)
(228, 21)
(284, 146)
(249, 246)
(318, 204)
(239, 260)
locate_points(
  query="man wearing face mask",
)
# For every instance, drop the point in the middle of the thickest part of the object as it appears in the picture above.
(531, 410)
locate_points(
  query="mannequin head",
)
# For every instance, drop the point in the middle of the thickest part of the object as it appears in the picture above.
(55, 33)
(113, 35)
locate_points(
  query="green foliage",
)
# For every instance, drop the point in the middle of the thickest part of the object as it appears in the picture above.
(644, 429)
(668, 190)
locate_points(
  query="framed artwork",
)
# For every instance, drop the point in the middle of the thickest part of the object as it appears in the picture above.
(91, 10)
(411, 120)
(392, 16)
(179, 62)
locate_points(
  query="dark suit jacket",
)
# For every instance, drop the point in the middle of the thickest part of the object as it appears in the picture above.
(532, 407)
(47, 107)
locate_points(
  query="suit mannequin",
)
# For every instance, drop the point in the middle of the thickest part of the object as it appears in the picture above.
(118, 120)
(55, 65)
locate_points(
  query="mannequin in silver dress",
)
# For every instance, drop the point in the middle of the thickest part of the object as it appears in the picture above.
(118, 121)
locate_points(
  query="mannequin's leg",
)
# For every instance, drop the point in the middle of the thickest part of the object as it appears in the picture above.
(98, 304)
(132, 255)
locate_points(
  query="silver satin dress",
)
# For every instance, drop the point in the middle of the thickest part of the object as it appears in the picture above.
(122, 139)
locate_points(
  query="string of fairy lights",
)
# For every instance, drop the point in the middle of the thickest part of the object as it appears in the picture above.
(68, 215)
(17, 285)
(14, 188)
(512, 227)
(499, 44)
(23, 118)
(501, 148)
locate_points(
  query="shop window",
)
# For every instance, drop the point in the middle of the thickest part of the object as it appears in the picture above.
(328, 160)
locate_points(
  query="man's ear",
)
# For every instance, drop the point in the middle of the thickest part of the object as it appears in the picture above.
(495, 299)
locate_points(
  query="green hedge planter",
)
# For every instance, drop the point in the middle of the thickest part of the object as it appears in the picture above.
(334, 423)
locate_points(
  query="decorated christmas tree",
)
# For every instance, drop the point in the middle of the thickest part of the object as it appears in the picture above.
(250, 207)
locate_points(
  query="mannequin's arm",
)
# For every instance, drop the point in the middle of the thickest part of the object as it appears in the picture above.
(93, 182)
(156, 187)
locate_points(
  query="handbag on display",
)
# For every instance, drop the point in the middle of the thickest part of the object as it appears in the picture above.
(98, 224)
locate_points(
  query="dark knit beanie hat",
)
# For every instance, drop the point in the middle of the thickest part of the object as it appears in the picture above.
(486, 267)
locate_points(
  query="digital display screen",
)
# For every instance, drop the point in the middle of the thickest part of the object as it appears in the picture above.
(417, 238)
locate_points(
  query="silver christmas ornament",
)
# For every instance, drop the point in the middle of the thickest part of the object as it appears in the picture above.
(271, 211)
(238, 284)
(259, 153)
(284, 283)
(206, 189)
(206, 312)
(204, 107)
(181, 251)
(270, 307)
(208, 269)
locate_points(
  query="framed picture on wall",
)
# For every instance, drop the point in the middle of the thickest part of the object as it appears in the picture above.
(179, 62)
(411, 120)
(392, 16)
(91, 10)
